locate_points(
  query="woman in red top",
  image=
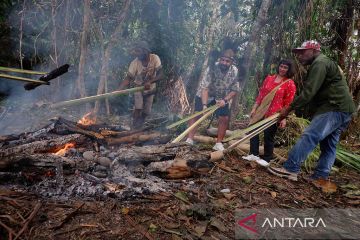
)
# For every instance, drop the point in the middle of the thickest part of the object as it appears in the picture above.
(283, 97)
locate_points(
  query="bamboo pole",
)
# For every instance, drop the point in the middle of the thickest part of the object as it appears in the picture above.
(96, 97)
(7, 69)
(217, 155)
(206, 115)
(240, 133)
(23, 79)
(190, 117)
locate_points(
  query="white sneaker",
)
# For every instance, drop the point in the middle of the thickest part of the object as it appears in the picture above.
(218, 147)
(262, 162)
(251, 158)
(190, 141)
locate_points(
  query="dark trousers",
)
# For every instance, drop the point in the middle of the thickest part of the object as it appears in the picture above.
(269, 139)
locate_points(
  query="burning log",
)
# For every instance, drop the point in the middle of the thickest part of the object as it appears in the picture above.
(139, 137)
(109, 137)
(12, 155)
(49, 76)
(96, 97)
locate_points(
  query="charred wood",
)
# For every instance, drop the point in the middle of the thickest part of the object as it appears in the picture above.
(10, 155)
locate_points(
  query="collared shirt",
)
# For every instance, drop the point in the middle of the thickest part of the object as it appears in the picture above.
(219, 84)
(325, 89)
(283, 96)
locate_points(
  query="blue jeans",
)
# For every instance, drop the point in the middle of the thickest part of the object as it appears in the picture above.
(324, 129)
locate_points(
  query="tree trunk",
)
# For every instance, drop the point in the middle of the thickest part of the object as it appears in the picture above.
(342, 28)
(210, 41)
(80, 83)
(106, 57)
(249, 53)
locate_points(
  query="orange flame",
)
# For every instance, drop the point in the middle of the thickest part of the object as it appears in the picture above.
(62, 151)
(88, 119)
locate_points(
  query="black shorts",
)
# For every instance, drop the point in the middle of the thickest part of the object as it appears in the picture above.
(223, 111)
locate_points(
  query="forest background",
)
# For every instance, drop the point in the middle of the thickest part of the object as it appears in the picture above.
(94, 37)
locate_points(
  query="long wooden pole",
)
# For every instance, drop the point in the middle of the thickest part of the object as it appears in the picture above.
(190, 117)
(6, 69)
(252, 134)
(23, 79)
(96, 97)
(206, 115)
(217, 155)
(240, 133)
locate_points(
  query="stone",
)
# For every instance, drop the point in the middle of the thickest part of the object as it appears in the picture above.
(112, 155)
(100, 174)
(89, 155)
(104, 161)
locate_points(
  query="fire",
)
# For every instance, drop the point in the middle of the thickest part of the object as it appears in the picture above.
(62, 151)
(88, 119)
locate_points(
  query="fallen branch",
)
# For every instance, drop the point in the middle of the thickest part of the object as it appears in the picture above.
(138, 227)
(28, 220)
(68, 217)
(10, 230)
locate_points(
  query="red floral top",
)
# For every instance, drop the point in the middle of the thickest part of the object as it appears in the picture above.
(283, 96)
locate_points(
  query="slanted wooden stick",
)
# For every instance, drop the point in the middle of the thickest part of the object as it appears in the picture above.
(240, 133)
(206, 115)
(96, 97)
(22, 79)
(7, 69)
(190, 117)
(215, 156)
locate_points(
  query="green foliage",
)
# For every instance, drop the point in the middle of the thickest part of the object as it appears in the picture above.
(178, 31)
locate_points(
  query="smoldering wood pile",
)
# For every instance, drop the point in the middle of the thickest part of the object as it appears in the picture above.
(65, 159)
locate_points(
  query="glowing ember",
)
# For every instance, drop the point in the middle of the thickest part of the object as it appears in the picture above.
(88, 119)
(62, 151)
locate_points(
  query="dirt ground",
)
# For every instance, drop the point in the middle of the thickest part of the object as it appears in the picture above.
(197, 209)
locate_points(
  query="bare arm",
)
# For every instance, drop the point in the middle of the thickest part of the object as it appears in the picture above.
(125, 82)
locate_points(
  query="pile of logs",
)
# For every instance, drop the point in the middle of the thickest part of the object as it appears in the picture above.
(38, 148)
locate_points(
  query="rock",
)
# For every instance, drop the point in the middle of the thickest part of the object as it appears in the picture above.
(225, 190)
(215, 222)
(89, 155)
(112, 155)
(100, 168)
(104, 161)
(100, 174)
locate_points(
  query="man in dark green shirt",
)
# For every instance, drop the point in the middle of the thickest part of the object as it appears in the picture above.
(327, 94)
